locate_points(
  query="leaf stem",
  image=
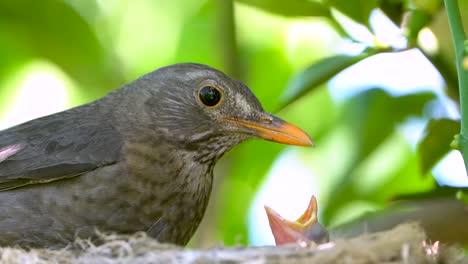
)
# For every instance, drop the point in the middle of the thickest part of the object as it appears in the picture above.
(227, 49)
(458, 36)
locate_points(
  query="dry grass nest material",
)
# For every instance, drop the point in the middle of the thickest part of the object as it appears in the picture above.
(405, 243)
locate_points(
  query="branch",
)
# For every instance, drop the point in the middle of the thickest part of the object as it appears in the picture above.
(458, 36)
(405, 243)
(227, 38)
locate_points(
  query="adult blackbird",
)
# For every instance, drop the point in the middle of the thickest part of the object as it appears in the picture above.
(138, 159)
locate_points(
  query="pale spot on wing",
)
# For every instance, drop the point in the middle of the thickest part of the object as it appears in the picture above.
(9, 151)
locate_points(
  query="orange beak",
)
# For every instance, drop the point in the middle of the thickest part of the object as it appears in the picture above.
(305, 229)
(274, 129)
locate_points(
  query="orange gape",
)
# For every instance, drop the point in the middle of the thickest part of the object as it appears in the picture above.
(306, 229)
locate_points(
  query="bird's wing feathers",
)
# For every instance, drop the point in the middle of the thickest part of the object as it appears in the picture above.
(55, 147)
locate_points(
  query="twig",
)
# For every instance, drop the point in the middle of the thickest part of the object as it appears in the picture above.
(458, 36)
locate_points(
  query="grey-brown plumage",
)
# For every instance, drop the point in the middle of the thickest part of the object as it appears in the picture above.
(139, 159)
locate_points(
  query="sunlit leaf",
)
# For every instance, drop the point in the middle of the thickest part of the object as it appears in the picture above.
(358, 10)
(436, 142)
(54, 31)
(406, 180)
(380, 113)
(317, 74)
(372, 117)
(291, 7)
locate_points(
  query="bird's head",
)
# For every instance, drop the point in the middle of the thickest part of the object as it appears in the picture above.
(198, 106)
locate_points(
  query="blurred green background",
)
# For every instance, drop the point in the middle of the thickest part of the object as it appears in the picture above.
(373, 82)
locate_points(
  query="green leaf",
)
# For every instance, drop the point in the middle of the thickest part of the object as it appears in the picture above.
(378, 113)
(462, 196)
(202, 23)
(53, 30)
(371, 117)
(407, 180)
(394, 9)
(435, 143)
(291, 7)
(437, 192)
(316, 74)
(240, 187)
(431, 6)
(357, 10)
(414, 22)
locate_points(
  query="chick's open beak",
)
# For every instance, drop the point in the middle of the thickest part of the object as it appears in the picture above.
(274, 129)
(306, 229)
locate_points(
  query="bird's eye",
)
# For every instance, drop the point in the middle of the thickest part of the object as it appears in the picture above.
(209, 95)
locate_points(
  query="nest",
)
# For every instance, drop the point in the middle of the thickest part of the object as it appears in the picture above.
(405, 243)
